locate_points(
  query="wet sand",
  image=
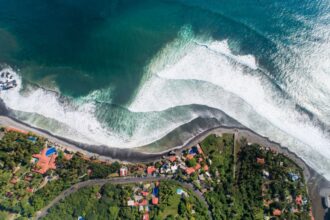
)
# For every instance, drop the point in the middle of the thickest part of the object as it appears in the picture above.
(315, 181)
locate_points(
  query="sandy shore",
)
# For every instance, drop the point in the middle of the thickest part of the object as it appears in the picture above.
(316, 182)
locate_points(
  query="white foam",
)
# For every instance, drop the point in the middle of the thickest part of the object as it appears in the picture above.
(220, 80)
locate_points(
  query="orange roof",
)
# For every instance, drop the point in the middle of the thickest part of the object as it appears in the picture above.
(151, 169)
(172, 158)
(30, 190)
(190, 170)
(206, 168)
(197, 167)
(154, 200)
(145, 216)
(190, 156)
(299, 200)
(8, 129)
(260, 160)
(145, 193)
(144, 202)
(14, 180)
(277, 212)
(44, 163)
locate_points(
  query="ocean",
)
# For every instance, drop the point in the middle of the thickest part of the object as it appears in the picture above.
(135, 73)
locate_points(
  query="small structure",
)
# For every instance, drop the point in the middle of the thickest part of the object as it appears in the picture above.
(123, 171)
(299, 200)
(145, 216)
(277, 212)
(155, 200)
(151, 170)
(197, 167)
(172, 159)
(205, 168)
(130, 203)
(190, 156)
(189, 170)
(260, 161)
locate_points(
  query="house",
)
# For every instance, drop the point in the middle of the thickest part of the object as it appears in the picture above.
(174, 168)
(123, 171)
(199, 149)
(145, 216)
(144, 202)
(130, 203)
(172, 159)
(151, 170)
(277, 212)
(205, 168)
(46, 160)
(29, 189)
(260, 161)
(189, 170)
(197, 167)
(14, 180)
(68, 156)
(299, 200)
(144, 193)
(154, 200)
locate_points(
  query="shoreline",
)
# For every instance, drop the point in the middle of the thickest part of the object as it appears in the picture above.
(315, 182)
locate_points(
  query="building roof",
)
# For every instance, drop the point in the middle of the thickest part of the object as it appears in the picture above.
(277, 212)
(44, 162)
(190, 156)
(197, 167)
(144, 193)
(190, 170)
(172, 158)
(299, 200)
(145, 216)
(260, 160)
(151, 169)
(199, 149)
(144, 202)
(206, 168)
(155, 200)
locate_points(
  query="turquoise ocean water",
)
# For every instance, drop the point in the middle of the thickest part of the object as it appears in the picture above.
(127, 73)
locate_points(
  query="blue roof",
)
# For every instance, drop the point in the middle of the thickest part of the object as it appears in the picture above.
(31, 138)
(155, 191)
(50, 151)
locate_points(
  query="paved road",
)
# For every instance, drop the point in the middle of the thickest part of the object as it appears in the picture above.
(95, 182)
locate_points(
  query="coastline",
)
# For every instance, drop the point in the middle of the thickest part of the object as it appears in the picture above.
(315, 182)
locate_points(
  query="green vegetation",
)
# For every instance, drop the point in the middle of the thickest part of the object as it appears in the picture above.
(243, 188)
(110, 202)
(23, 191)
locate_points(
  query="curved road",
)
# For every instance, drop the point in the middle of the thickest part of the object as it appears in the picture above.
(100, 182)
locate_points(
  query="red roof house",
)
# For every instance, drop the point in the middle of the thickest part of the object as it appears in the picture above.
(190, 156)
(206, 168)
(44, 163)
(299, 200)
(190, 170)
(144, 202)
(155, 200)
(145, 216)
(145, 193)
(172, 158)
(151, 170)
(197, 167)
(260, 161)
(199, 149)
(277, 212)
